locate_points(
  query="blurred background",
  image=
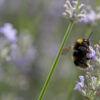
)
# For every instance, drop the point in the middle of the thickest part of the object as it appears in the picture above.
(25, 64)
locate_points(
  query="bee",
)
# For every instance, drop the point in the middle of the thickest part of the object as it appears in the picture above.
(81, 50)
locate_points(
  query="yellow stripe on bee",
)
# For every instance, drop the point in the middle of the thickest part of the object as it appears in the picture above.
(79, 41)
(73, 58)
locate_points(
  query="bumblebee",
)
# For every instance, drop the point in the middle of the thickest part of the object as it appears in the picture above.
(81, 50)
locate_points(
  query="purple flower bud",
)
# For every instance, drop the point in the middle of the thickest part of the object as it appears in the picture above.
(83, 20)
(81, 79)
(80, 84)
(9, 32)
(91, 55)
(74, 15)
(77, 87)
(74, 3)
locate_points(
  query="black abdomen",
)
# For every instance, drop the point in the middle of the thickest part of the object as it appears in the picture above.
(80, 59)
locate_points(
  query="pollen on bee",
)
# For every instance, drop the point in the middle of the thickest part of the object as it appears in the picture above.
(73, 58)
(79, 41)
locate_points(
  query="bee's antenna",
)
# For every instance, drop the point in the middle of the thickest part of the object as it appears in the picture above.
(90, 35)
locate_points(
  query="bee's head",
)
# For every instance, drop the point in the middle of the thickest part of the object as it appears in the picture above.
(86, 42)
(83, 41)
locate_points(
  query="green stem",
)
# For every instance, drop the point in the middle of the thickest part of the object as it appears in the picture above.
(78, 2)
(71, 84)
(55, 61)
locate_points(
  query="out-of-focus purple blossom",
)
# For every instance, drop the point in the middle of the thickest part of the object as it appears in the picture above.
(91, 55)
(74, 3)
(25, 59)
(31, 54)
(77, 87)
(9, 32)
(88, 17)
(23, 53)
(81, 6)
(81, 78)
(2, 3)
(80, 84)
(83, 20)
(91, 17)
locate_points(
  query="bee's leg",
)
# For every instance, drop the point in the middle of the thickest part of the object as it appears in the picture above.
(85, 65)
(88, 58)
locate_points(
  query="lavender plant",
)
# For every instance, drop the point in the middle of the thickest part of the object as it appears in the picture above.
(91, 89)
(23, 53)
(9, 32)
(83, 14)
(17, 54)
(12, 46)
(8, 38)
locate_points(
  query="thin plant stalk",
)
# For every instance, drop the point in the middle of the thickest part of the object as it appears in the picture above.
(55, 61)
(72, 83)
(57, 57)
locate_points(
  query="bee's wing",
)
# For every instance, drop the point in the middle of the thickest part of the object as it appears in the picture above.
(66, 50)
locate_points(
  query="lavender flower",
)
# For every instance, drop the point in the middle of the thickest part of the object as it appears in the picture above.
(23, 53)
(80, 84)
(90, 16)
(9, 32)
(72, 12)
(23, 60)
(83, 13)
(91, 55)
